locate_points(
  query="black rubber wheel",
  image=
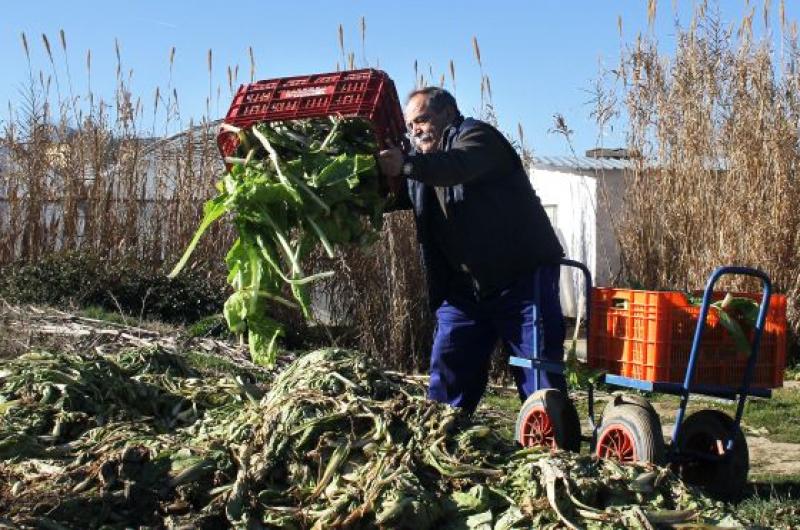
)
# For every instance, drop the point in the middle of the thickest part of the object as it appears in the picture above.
(629, 399)
(548, 418)
(706, 431)
(629, 432)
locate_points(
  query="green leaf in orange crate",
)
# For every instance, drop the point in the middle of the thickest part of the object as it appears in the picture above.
(738, 316)
(746, 309)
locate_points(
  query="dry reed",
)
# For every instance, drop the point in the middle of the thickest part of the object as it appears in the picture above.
(716, 182)
(79, 173)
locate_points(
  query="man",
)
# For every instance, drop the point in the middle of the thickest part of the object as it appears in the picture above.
(487, 247)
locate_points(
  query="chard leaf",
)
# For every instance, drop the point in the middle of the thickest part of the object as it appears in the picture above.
(734, 329)
(262, 337)
(339, 169)
(212, 210)
(235, 311)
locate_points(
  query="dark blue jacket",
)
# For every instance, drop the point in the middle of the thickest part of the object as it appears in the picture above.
(479, 222)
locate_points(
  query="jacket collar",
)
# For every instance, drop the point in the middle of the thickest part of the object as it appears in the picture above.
(450, 132)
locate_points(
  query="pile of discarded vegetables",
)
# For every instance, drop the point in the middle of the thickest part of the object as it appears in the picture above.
(142, 439)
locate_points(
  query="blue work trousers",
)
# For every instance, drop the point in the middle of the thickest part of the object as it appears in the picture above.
(467, 332)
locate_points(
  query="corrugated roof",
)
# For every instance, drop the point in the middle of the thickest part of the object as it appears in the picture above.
(580, 162)
(155, 144)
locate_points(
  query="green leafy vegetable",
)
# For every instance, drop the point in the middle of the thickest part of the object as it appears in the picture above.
(738, 316)
(293, 185)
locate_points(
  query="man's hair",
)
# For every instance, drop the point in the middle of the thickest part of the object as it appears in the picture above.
(438, 98)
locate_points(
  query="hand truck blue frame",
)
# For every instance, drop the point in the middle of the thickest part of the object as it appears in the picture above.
(707, 447)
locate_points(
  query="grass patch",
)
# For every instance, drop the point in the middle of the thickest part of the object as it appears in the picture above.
(780, 416)
(99, 313)
(502, 399)
(210, 326)
(784, 484)
(792, 373)
(773, 503)
(505, 404)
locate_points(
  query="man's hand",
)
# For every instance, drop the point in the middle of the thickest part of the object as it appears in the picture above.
(391, 162)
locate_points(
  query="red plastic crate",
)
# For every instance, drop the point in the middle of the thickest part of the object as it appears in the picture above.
(368, 94)
(648, 335)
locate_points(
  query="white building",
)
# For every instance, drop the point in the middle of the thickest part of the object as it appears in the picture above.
(583, 197)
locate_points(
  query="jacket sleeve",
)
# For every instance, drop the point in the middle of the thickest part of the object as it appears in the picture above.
(475, 153)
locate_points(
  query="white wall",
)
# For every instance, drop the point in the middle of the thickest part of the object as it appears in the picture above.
(574, 198)
(610, 193)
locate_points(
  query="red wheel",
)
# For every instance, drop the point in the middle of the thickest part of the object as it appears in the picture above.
(617, 443)
(548, 419)
(537, 429)
(629, 432)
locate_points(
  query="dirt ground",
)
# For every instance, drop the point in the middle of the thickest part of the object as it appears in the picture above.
(773, 458)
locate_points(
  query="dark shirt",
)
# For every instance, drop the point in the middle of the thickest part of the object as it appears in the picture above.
(479, 223)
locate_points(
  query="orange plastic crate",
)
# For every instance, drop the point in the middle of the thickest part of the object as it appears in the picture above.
(648, 335)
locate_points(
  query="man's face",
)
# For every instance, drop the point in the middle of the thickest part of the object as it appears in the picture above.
(425, 125)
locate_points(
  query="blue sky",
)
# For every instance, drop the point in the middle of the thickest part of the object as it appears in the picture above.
(541, 55)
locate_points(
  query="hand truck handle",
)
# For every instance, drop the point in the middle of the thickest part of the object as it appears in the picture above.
(701, 319)
(698, 335)
(587, 276)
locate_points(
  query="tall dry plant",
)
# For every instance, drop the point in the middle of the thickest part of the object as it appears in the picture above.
(716, 182)
(380, 290)
(80, 172)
